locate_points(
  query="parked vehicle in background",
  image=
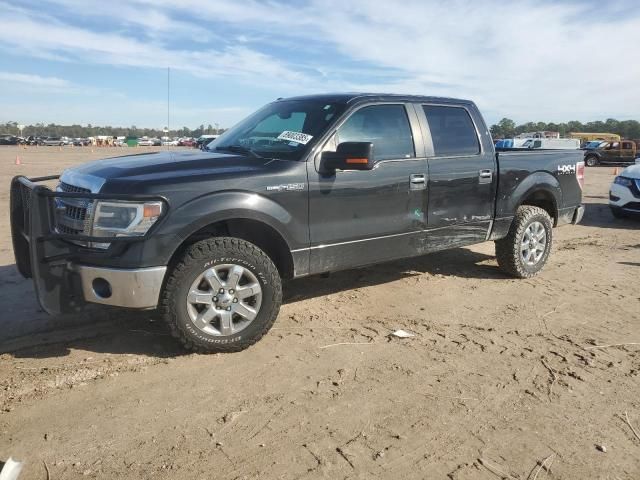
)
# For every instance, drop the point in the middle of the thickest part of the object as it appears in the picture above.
(52, 141)
(507, 143)
(624, 151)
(145, 142)
(624, 194)
(10, 140)
(304, 186)
(585, 137)
(81, 142)
(540, 134)
(552, 143)
(203, 140)
(186, 142)
(594, 144)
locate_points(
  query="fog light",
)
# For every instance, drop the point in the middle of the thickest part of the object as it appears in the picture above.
(101, 288)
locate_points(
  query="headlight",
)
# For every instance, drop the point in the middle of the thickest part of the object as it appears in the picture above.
(624, 181)
(128, 219)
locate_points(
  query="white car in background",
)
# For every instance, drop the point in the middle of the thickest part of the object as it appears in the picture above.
(624, 194)
(145, 142)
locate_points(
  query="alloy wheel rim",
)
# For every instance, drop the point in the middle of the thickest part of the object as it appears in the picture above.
(224, 300)
(533, 244)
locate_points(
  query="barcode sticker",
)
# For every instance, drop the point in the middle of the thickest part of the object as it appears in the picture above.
(297, 137)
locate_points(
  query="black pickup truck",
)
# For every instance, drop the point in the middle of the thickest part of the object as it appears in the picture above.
(304, 186)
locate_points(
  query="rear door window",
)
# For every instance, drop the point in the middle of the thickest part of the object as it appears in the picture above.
(386, 126)
(452, 131)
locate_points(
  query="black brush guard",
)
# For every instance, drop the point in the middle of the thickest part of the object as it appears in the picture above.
(45, 255)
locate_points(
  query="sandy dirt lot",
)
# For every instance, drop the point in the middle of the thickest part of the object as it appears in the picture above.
(517, 379)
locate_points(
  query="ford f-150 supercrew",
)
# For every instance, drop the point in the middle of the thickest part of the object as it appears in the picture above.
(304, 186)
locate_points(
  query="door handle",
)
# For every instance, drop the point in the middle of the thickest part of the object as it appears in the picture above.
(485, 176)
(418, 181)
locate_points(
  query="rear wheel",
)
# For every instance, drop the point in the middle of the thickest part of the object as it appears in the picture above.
(222, 296)
(591, 161)
(525, 249)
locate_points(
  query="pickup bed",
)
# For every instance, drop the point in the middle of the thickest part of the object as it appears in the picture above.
(304, 186)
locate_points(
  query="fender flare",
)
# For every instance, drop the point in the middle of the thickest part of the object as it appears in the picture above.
(536, 182)
(208, 209)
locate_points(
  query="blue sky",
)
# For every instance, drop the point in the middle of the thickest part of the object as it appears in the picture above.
(105, 62)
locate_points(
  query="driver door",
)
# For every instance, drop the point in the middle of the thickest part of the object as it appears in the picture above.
(363, 217)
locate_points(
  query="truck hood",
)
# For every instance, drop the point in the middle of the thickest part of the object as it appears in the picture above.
(149, 167)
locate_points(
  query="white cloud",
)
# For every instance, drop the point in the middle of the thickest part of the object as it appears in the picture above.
(527, 59)
(33, 80)
(24, 33)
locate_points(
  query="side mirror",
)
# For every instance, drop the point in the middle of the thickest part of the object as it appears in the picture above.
(348, 156)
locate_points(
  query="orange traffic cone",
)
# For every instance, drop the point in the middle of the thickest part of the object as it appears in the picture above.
(17, 159)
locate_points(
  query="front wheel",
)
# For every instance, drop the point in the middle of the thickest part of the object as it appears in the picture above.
(222, 296)
(591, 161)
(525, 249)
(617, 212)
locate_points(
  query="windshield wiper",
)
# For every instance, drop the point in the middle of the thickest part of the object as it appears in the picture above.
(239, 149)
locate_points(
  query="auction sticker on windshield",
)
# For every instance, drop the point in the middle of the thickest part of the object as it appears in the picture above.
(297, 137)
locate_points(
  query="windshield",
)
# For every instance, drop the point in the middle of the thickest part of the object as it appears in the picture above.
(283, 129)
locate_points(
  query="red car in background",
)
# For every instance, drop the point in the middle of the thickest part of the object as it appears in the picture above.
(186, 142)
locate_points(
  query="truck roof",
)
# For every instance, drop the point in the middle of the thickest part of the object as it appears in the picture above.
(352, 97)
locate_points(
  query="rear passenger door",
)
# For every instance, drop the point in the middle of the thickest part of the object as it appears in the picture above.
(462, 175)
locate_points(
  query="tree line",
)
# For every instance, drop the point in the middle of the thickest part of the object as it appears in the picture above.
(83, 131)
(507, 128)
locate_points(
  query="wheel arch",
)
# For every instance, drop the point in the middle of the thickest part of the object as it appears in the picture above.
(540, 189)
(242, 214)
(260, 233)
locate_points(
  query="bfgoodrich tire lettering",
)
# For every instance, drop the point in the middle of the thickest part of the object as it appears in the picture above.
(509, 250)
(201, 257)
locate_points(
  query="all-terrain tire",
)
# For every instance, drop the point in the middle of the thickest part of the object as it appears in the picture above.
(194, 261)
(509, 248)
(591, 161)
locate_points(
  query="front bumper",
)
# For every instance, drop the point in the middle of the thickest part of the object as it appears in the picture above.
(131, 288)
(624, 199)
(62, 283)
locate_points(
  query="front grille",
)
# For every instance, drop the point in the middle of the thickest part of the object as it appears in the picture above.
(62, 228)
(632, 206)
(66, 188)
(73, 214)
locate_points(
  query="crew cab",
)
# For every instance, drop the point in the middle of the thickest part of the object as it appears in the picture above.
(623, 151)
(304, 186)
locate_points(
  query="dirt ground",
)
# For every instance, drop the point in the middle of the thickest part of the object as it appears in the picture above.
(517, 379)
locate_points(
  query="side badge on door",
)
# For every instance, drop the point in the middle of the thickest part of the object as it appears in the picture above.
(288, 187)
